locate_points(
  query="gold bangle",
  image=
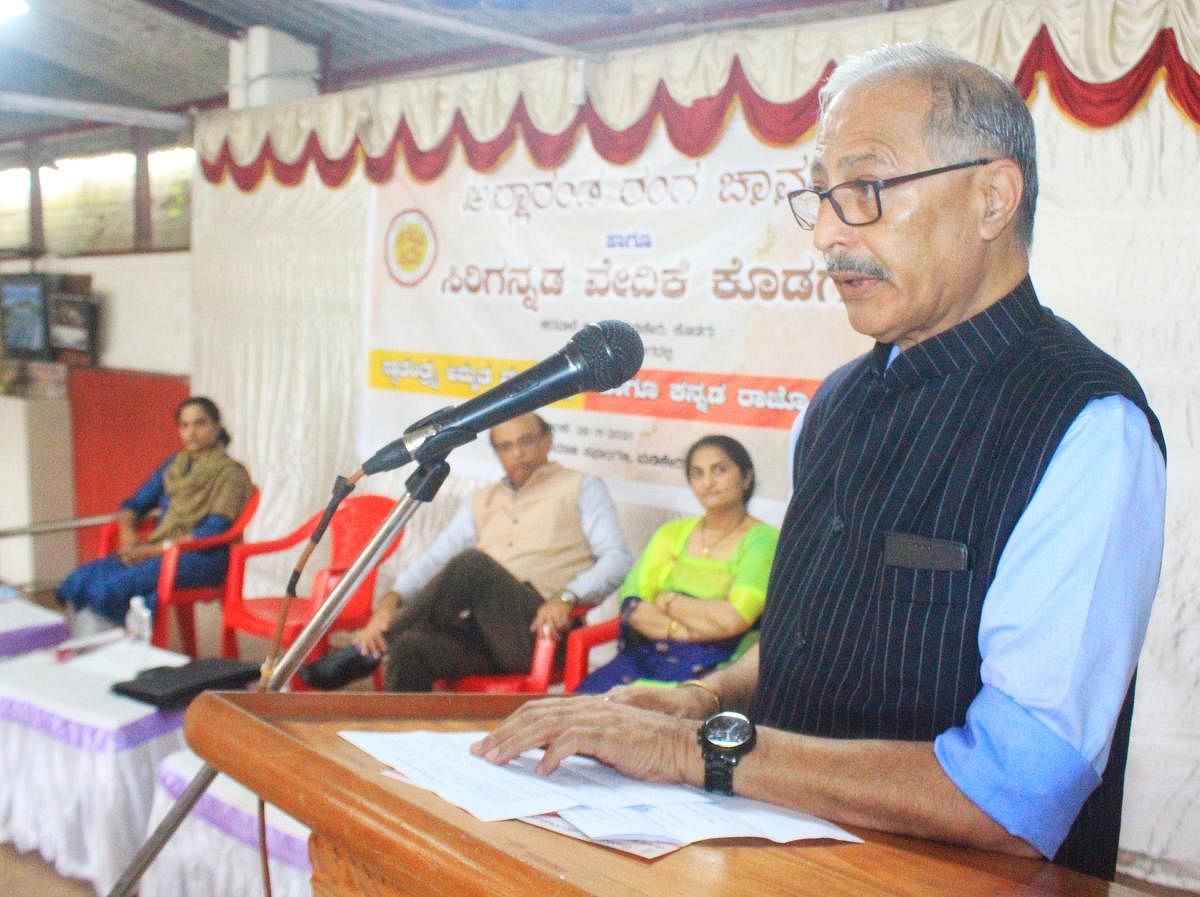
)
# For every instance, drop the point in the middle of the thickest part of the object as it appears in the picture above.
(708, 688)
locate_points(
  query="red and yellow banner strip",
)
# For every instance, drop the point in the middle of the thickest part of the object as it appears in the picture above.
(719, 398)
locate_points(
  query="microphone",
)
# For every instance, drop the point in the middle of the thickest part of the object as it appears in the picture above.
(601, 356)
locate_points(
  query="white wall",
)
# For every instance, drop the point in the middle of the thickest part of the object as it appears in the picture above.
(146, 310)
(35, 485)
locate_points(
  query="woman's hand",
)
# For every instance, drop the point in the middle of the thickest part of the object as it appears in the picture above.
(648, 619)
(700, 620)
(126, 532)
(663, 600)
(640, 743)
(126, 540)
(138, 552)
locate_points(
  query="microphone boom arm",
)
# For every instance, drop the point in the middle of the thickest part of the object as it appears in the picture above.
(421, 487)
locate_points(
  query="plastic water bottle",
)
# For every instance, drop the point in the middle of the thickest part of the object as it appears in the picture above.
(138, 623)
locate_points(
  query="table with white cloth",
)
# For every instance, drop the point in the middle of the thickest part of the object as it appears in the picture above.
(214, 852)
(77, 761)
(25, 626)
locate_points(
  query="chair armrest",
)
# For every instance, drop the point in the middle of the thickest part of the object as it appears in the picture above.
(106, 543)
(579, 643)
(542, 666)
(247, 549)
(204, 542)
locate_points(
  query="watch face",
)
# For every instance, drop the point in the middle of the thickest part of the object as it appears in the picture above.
(727, 730)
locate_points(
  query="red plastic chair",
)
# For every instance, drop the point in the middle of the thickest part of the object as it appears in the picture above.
(182, 600)
(579, 643)
(542, 672)
(352, 526)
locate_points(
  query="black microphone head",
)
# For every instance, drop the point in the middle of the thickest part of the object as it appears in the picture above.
(611, 353)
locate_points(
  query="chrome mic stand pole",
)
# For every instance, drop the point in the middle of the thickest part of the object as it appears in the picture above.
(421, 487)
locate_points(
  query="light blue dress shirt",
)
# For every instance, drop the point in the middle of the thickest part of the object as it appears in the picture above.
(1062, 626)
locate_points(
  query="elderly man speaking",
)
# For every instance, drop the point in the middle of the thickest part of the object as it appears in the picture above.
(966, 568)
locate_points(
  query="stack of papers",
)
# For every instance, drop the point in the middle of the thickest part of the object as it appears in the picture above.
(582, 798)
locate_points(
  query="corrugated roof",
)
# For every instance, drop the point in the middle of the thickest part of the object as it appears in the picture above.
(174, 54)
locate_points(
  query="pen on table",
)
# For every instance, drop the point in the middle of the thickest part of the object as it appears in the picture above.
(76, 646)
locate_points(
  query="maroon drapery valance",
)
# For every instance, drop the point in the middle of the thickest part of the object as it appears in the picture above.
(694, 129)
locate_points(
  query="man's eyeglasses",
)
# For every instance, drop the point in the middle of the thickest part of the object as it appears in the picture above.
(857, 202)
(528, 441)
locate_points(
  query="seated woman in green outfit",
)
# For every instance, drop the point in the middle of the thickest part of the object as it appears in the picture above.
(701, 583)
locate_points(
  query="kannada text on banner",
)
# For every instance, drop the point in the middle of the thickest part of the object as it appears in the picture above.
(476, 276)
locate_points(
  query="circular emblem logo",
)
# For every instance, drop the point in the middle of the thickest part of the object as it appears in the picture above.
(410, 247)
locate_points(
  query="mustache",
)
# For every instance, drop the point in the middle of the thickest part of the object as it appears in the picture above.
(844, 263)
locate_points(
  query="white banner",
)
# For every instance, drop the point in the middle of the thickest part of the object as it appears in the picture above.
(478, 275)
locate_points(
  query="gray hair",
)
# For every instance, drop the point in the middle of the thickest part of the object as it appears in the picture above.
(974, 112)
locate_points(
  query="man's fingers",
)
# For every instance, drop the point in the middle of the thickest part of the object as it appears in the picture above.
(539, 621)
(376, 645)
(513, 738)
(531, 725)
(574, 740)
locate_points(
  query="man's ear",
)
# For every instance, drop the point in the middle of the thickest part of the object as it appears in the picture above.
(1003, 186)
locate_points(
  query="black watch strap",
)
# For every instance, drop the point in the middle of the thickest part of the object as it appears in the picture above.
(718, 772)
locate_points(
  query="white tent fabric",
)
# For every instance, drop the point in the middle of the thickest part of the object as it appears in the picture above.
(1099, 41)
(279, 284)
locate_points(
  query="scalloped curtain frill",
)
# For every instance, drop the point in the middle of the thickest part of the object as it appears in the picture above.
(679, 88)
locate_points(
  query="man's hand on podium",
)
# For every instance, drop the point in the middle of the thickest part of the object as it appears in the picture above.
(642, 743)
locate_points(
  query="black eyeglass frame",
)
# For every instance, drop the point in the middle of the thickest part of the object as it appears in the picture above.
(875, 186)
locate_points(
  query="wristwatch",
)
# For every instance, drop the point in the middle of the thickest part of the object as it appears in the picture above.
(568, 598)
(724, 738)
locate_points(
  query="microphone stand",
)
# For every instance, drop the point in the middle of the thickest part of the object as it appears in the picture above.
(421, 487)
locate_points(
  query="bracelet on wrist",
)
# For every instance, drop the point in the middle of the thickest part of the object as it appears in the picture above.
(628, 606)
(712, 692)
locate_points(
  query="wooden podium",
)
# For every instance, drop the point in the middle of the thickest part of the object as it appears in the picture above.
(375, 836)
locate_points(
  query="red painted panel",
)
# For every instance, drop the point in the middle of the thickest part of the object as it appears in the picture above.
(123, 425)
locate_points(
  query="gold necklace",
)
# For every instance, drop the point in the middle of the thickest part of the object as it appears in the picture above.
(705, 545)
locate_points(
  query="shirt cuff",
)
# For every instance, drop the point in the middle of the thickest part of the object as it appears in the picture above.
(1016, 770)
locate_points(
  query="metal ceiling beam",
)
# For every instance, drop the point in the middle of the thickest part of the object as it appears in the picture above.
(95, 112)
(190, 13)
(454, 26)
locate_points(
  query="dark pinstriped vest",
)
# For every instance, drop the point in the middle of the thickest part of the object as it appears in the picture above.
(949, 442)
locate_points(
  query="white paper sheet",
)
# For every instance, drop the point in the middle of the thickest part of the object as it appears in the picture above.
(441, 762)
(595, 800)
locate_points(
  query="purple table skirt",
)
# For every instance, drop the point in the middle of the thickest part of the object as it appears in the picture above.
(90, 738)
(239, 825)
(22, 641)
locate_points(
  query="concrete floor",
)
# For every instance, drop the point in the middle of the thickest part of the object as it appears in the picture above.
(27, 875)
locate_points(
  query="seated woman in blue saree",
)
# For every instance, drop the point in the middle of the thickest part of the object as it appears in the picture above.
(701, 583)
(200, 491)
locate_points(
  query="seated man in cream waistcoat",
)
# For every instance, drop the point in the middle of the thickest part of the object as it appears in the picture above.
(514, 561)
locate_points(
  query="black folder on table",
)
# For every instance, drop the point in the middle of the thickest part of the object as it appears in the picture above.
(168, 687)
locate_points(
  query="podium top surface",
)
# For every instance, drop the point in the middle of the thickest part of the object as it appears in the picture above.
(286, 748)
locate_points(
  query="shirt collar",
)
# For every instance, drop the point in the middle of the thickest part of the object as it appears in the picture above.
(976, 341)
